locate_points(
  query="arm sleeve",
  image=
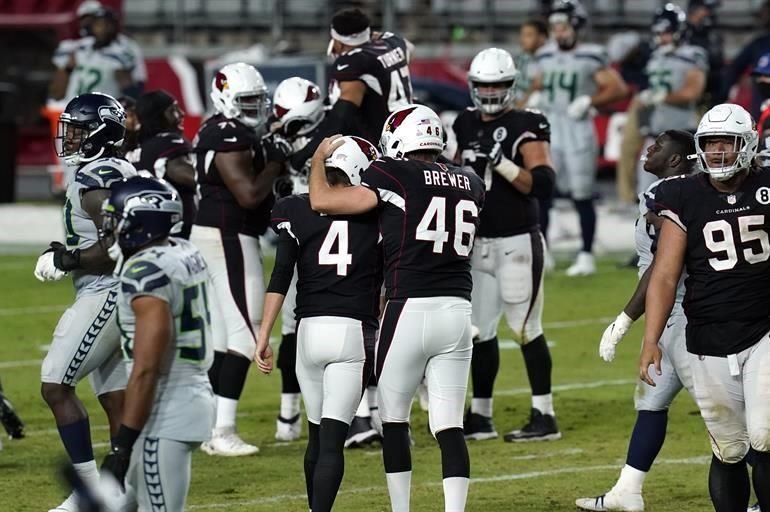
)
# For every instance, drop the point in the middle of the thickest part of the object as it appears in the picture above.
(286, 254)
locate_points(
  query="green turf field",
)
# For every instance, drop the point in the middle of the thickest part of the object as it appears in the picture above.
(593, 403)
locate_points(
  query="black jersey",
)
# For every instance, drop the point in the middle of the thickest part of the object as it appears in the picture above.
(727, 296)
(338, 259)
(382, 64)
(218, 207)
(507, 211)
(153, 154)
(428, 217)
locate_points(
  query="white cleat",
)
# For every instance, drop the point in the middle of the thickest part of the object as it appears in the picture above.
(69, 505)
(288, 430)
(584, 265)
(228, 445)
(613, 501)
(754, 508)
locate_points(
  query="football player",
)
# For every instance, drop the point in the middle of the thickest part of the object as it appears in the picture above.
(369, 80)
(509, 149)
(533, 34)
(428, 215)
(667, 157)
(235, 171)
(338, 264)
(164, 152)
(676, 73)
(10, 420)
(298, 111)
(104, 61)
(86, 341)
(716, 227)
(163, 316)
(570, 79)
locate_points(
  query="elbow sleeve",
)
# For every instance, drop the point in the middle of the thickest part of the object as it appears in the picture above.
(543, 181)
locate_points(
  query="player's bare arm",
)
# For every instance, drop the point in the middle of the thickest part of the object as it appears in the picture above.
(537, 176)
(661, 293)
(154, 330)
(249, 189)
(611, 86)
(95, 258)
(270, 311)
(352, 91)
(336, 200)
(180, 171)
(692, 90)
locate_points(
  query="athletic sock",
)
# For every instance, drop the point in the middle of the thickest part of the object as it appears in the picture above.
(397, 458)
(631, 479)
(226, 410)
(587, 215)
(482, 406)
(88, 472)
(330, 466)
(287, 363)
(311, 458)
(232, 377)
(76, 438)
(761, 477)
(215, 370)
(485, 364)
(646, 440)
(290, 405)
(729, 486)
(455, 468)
(363, 408)
(537, 359)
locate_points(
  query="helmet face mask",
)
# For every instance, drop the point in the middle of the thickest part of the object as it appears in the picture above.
(726, 141)
(298, 106)
(238, 91)
(90, 125)
(492, 98)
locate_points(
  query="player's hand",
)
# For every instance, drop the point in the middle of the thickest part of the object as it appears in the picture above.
(492, 151)
(650, 356)
(648, 97)
(45, 269)
(116, 463)
(612, 336)
(283, 186)
(579, 107)
(276, 148)
(327, 147)
(264, 355)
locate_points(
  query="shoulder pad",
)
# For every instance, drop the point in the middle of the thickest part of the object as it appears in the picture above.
(104, 172)
(223, 134)
(142, 276)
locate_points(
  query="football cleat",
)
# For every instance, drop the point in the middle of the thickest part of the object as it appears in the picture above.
(754, 508)
(10, 420)
(288, 430)
(614, 500)
(361, 433)
(478, 427)
(68, 505)
(541, 427)
(584, 265)
(228, 445)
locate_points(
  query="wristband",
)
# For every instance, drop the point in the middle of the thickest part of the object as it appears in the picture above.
(125, 438)
(507, 169)
(66, 260)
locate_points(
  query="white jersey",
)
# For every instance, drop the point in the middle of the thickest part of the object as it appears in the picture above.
(176, 273)
(667, 71)
(81, 232)
(68, 46)
(566, 75)
(95, 68)
(646, 236)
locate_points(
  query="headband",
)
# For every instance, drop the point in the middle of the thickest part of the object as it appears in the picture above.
(356, 39)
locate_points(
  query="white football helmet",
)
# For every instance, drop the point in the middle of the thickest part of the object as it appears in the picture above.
(353, 157)
(239, 92)
(298, 106)
(411, 128)
(727, 120)
(492, 67)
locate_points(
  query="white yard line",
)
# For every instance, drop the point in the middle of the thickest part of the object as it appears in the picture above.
(20, 364)
(35, 310)
(568, 387)
(490, 479)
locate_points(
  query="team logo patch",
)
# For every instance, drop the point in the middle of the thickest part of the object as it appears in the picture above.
(395, 120)
(763, 195)
(731, 199)
(220, 81)
(366, 148)
(499, 134)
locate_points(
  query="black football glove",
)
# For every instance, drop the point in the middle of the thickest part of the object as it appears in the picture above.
(62, 258)
(116, 462)
(282, 187)
(492, 151)
(276, 148)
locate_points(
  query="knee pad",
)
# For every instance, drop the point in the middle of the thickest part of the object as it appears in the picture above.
(759, 439)
(730, 452)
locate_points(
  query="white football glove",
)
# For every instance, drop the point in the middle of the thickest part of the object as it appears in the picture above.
(649, 98)
(612, 336)
(579, 107)
(45, 270)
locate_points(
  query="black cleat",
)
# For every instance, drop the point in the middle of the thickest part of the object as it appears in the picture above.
(10, 420)
(541, 427)
(478, 428)
(361, 433)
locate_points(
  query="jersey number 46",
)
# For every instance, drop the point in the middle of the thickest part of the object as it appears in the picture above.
(463, 233)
